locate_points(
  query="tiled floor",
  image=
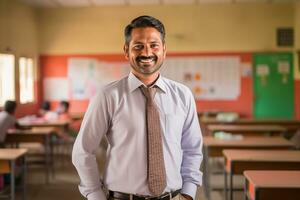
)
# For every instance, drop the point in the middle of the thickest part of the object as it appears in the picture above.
(64, 185)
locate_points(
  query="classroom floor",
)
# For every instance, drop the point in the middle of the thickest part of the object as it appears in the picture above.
(64, 185)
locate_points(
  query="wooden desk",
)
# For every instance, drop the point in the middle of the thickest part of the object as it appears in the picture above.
(39, 135)
(8, 158)
(275, 185)
(249, 121)
(213, 147)
(247, 129)
(290, 124)
(42, 123)
(77, 116)
(238, 161)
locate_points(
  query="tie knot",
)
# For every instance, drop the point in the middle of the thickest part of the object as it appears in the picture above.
(149, 93)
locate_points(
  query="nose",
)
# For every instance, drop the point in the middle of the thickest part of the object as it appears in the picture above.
(147, 51)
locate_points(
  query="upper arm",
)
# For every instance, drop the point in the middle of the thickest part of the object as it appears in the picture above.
(95, 124)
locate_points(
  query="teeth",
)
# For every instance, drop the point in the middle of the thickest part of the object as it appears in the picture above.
(146, 60)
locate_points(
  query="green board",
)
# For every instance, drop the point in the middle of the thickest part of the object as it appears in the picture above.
(273, 85)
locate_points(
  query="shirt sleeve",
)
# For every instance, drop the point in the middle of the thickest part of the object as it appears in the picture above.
(94, 125)
(191, 144)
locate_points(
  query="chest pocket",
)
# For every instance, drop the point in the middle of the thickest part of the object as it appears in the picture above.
(174, 125)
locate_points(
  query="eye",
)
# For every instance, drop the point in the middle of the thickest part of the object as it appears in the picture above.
(138, 47)
(154, 45)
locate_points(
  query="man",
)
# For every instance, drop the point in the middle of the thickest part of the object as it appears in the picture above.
(133, 114)
(7, 120)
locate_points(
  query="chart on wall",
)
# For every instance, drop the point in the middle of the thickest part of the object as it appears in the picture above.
(208, 77)
(87, 75)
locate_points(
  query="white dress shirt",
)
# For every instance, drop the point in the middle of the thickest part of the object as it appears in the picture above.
(118, 113)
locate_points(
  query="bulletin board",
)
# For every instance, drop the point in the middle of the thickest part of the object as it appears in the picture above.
(208, 77)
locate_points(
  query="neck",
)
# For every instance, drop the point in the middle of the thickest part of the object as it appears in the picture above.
(148, 80)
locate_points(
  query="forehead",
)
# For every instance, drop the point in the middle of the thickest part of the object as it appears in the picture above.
(145, 34)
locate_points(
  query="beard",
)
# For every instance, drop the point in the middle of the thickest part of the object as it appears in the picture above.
(146, 65)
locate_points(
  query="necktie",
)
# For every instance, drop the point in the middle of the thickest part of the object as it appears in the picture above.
(156, 167)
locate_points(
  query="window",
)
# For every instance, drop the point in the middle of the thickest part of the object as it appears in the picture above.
(7, 78)
(26, 77)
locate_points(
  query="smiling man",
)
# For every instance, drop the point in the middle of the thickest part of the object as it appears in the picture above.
(151, 126)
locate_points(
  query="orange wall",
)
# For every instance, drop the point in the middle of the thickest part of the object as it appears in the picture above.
(56, 66)
(243, 105)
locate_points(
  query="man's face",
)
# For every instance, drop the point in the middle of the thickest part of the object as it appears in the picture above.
(145, 52)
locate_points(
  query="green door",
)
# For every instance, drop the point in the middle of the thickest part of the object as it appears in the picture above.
(273, 85)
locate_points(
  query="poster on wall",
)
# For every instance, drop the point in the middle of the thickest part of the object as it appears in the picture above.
(51, 92)
(209, 78)
(87, 75)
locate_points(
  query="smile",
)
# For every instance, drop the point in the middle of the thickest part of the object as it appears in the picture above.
(146, 60)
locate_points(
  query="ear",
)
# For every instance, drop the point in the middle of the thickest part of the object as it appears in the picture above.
(165, 50)
(126, 51)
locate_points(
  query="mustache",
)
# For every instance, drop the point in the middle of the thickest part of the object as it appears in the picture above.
(139, 58)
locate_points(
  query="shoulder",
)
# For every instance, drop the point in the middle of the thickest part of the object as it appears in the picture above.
(178, 88)
(6, 117)
(2, 116)
(114, 89)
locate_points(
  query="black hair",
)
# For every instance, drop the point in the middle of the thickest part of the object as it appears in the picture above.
(65, 104)
(10, 106)
(144, 22)
(46, 105)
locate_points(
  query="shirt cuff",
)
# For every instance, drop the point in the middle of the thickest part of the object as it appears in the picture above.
(189, 189)
(97, 195)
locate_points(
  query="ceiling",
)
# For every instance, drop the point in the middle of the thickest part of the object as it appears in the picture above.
(85, 3)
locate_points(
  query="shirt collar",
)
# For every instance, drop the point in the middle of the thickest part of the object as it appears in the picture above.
(134, 83)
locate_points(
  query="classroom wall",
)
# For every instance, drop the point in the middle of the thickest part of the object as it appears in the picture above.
(191, 29)
(57, 66)
(19, 36)
(297, 27)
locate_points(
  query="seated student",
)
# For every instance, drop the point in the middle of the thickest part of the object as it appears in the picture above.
(46, 113)
(7, 120)
(45, 107)
(63, 110)
(63, 114)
